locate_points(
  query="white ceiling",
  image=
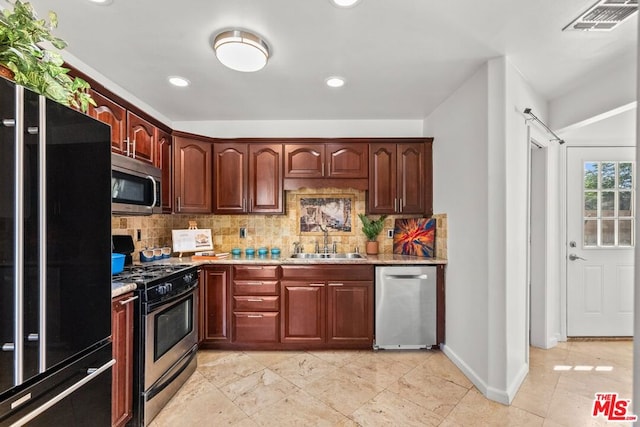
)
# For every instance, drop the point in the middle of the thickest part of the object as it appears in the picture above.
(401, 58)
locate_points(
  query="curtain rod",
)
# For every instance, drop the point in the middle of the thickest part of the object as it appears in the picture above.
(533, 117)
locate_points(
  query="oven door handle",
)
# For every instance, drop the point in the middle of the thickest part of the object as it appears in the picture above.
(167, 302)
(161, 385)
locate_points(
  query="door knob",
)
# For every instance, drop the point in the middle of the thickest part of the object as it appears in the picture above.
(574, 257)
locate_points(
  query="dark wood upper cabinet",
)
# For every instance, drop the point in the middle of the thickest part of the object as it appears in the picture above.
(266, 192)
(248, 178)
(347, 160)
(230, 182)
(304, 160)
(192, 175)
(163, 161)
(142, 138)
(114, 115)
(330, 160)
(400, 178)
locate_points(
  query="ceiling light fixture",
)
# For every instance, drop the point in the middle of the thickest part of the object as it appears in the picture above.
(101, 2)
(241, 50)
(344, 3)
(179, 81)
(335, 81)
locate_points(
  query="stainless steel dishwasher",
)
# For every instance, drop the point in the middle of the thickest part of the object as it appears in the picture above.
(405, 307)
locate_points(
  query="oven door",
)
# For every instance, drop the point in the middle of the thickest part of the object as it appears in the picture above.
(171, 332)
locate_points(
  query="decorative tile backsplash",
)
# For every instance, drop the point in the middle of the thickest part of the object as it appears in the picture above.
(265, 230)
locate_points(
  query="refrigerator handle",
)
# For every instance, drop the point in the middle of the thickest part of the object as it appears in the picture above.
(42, 230)
(18, 238)
(92, 374)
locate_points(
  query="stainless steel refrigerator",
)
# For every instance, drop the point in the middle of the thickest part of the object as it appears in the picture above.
(55, 263)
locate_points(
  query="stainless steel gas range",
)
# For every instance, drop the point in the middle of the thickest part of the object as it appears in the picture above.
(165, 333)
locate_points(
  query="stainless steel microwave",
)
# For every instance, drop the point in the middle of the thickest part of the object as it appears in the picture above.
(135, 187)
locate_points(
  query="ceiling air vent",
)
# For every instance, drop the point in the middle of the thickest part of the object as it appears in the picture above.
(605, 15)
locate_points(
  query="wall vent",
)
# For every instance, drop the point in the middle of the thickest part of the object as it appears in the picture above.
(605, 15)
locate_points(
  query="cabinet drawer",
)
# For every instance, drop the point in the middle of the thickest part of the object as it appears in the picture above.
(256, 303)
(256, 327)
(328, 272)
(255, 287)
(250, 272)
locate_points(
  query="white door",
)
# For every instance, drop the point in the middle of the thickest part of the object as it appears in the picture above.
(600, 241)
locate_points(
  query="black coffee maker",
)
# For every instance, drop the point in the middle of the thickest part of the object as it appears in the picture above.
(123, 244)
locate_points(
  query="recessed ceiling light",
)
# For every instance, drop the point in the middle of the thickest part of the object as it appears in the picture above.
(102, 2)
(179, 81)
(344, 3)
(335, 81)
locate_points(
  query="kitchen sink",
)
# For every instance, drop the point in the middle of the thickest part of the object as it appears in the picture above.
(351, 255)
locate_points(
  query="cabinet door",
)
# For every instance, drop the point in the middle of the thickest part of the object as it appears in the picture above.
(214, 301)
(192, 175)
(303, 312)
(382, 195)
(410, 173)
(304, 160)
(122, 372)
(142, 138)
(347, 160)
(265, 178)
(115, 116)
(163, 161)
(350, 312)
(230, 183)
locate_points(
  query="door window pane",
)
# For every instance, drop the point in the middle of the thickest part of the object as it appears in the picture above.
(624, 203)
(608, 237)
(590, 175)
(590, 203)
(625, 232)
(608, 201)
(625, 177)
(608, 175)
(591, 233)
(608, 197)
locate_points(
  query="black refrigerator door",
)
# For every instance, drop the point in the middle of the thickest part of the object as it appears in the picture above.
(73, 225)
(77, 395)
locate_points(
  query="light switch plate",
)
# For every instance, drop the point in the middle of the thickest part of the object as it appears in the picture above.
(390, 233)
(243, 233)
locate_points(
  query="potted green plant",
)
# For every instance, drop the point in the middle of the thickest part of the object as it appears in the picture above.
(33, 66)
(371, 228)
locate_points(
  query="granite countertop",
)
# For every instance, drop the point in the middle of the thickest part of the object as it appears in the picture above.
(286, 260)
(119, 288)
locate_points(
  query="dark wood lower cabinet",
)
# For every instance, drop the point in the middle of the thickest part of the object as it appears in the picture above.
(214, 305)
(122, 371)
(286, 307)
(350, 312)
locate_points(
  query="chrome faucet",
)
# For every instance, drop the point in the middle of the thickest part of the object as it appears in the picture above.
(325, 242)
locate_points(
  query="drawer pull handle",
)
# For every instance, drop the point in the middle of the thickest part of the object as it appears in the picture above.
(255, 299)
(316, 284)
(255, 315)
(128, 300)
(336, 284)
(254, 283)
(253, 268)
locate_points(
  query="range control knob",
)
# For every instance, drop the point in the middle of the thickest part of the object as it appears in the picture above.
(162, 289)
(188, 277)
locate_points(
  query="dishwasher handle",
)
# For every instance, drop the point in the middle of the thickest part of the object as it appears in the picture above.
(406, 276)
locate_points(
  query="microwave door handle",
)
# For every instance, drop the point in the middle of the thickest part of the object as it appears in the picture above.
(153, 203)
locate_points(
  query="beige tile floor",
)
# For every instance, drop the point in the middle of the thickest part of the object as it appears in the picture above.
(409, 388)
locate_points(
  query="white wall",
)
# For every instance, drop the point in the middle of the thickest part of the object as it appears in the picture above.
(303, 128)
(480, 181)
(607, 91)
(460, 173)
